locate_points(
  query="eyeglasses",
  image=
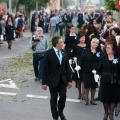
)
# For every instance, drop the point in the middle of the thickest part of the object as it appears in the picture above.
(108, 48)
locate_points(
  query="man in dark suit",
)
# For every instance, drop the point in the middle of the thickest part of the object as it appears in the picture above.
(56, 75)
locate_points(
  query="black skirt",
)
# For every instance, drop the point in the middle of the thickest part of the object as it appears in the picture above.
(76, 76)
(110, 93)
(89, 81)
(10, 36)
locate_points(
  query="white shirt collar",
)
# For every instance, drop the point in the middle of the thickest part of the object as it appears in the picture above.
(55, 49)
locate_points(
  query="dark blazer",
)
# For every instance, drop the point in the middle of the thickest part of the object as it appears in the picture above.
(53, 70)
(108, 68)
(89, 61)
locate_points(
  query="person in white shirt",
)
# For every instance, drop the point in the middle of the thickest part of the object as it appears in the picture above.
(53, 23)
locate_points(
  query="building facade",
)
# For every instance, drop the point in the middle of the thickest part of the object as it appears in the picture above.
(54, 5)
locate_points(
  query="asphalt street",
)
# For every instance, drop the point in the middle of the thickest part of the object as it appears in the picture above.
(32, 103)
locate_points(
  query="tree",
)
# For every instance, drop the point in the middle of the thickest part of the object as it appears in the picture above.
(110, 4)
(31, 4)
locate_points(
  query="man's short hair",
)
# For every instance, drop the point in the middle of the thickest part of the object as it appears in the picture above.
(55, 40)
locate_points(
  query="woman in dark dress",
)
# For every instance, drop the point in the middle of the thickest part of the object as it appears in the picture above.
(41, 22)
(9, 30)
(109, 69)
(89, 61)
(77, 51)
(80, 20)
(70, 41)
(65, 19)
(66, 22)
(33, 24)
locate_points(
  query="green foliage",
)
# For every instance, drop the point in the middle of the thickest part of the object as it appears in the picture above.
(31, 4)
(110, 4)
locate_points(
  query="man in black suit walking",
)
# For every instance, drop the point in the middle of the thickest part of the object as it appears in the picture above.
(56, 75)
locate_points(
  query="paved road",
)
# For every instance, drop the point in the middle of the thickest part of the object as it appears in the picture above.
(19, 46)
(32, 103)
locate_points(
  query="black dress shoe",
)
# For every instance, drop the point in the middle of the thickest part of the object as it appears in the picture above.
(62, 117)
(9, 47)
(87, 102)
(93, 103)
(78, 97)
(83, 97)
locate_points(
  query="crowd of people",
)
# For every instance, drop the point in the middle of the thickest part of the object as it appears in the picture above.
(100, 52)
(93, 54)
(12, 27)
(89, 57)
(53, 21)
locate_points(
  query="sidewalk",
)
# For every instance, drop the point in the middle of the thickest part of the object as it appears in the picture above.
(27, 33)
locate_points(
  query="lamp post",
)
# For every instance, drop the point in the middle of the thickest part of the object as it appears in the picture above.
(10, 6)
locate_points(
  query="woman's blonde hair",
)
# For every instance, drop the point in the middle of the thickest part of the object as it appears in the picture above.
(95, 40)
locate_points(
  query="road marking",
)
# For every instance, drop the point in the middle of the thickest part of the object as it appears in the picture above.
(46, 97)
(36, 96)
(10, 84)
(8, 93)
(72, 100)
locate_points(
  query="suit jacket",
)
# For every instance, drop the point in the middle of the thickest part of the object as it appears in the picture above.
(53, 70)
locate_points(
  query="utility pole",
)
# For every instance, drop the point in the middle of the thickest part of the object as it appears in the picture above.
(62, 5)
(69, 2)
(100, 4)
(80, 2)
(10, 6)
(37, 7)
